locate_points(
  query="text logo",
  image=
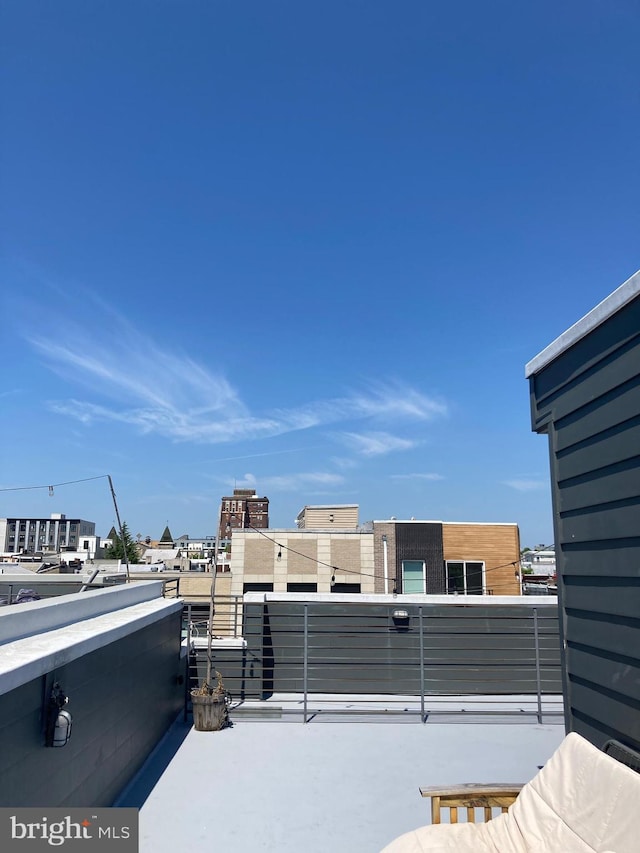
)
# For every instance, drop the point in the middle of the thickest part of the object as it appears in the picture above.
(32, 829)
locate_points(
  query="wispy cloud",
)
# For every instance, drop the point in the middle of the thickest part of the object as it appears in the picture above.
(183, 499)
(417, 476)
(344, 463)
(187, 425)
(135, 370)
(381, 401)
(259, 455)
(291, 482)
(525, 485)
(375, 443)
(134, 382)
(397, 401)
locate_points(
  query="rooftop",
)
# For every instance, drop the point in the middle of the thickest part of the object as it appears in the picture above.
(348, 787)
(347, 780)
(439, 521)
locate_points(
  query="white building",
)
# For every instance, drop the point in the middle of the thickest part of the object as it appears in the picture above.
(541, 561)
(55, 534)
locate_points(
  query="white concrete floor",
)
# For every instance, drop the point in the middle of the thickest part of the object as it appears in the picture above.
(344, 787)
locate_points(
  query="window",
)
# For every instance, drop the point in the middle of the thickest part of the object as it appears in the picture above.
(413, 576)
(302, 587)
(257, 587)
(464, 577)
(346, 587)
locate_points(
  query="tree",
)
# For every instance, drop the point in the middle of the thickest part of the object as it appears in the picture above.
(116, 551)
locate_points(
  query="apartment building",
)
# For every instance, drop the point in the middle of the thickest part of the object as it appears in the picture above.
(326, 561)
(446, 558)
(35, 535)
(242, 510)
(401, 557)
(203, 547)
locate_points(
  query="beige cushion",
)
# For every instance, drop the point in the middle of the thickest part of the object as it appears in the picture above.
(582, 801)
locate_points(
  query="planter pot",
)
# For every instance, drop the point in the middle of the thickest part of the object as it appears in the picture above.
(209, 712)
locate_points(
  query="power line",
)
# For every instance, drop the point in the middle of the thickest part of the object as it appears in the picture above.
(374, 575)
(51, 486)
(377, 575)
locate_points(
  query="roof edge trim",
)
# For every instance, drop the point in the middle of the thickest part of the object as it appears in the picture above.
(598, 315)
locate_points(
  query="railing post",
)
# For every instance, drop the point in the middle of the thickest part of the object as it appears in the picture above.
(305, 661)
(187, 675)
(235, 617)
(421, 626)
(536, 637)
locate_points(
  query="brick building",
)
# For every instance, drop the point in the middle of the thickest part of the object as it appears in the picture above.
(242, 510)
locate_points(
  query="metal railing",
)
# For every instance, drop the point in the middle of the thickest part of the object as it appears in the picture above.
(318, 660)
(227, 618)
(171, 587)
(10, 592)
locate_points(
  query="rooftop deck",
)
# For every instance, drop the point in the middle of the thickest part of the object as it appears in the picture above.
(348, 787)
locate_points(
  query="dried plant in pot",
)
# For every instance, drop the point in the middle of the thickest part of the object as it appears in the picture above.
(210, 703)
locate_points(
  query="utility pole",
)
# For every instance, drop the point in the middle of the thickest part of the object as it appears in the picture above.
(124, 546)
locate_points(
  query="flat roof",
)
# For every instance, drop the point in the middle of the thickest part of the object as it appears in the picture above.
(303, 531)
(347, 787)
(327, 506)
(362, 529)
(605, 309)
(439, 521)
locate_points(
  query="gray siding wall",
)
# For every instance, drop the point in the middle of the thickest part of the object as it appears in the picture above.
(122, 698)
(361, 649)
(588, 402)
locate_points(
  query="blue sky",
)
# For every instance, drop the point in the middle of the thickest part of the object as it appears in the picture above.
(306, 247)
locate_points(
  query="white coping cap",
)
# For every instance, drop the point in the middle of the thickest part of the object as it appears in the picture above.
(605, 309)
(36, 617)
(400, 600)
(30, 657)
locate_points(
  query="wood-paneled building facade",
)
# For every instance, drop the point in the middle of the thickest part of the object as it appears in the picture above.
(440, 557)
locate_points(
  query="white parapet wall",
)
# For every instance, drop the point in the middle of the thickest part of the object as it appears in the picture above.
(37, 637)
